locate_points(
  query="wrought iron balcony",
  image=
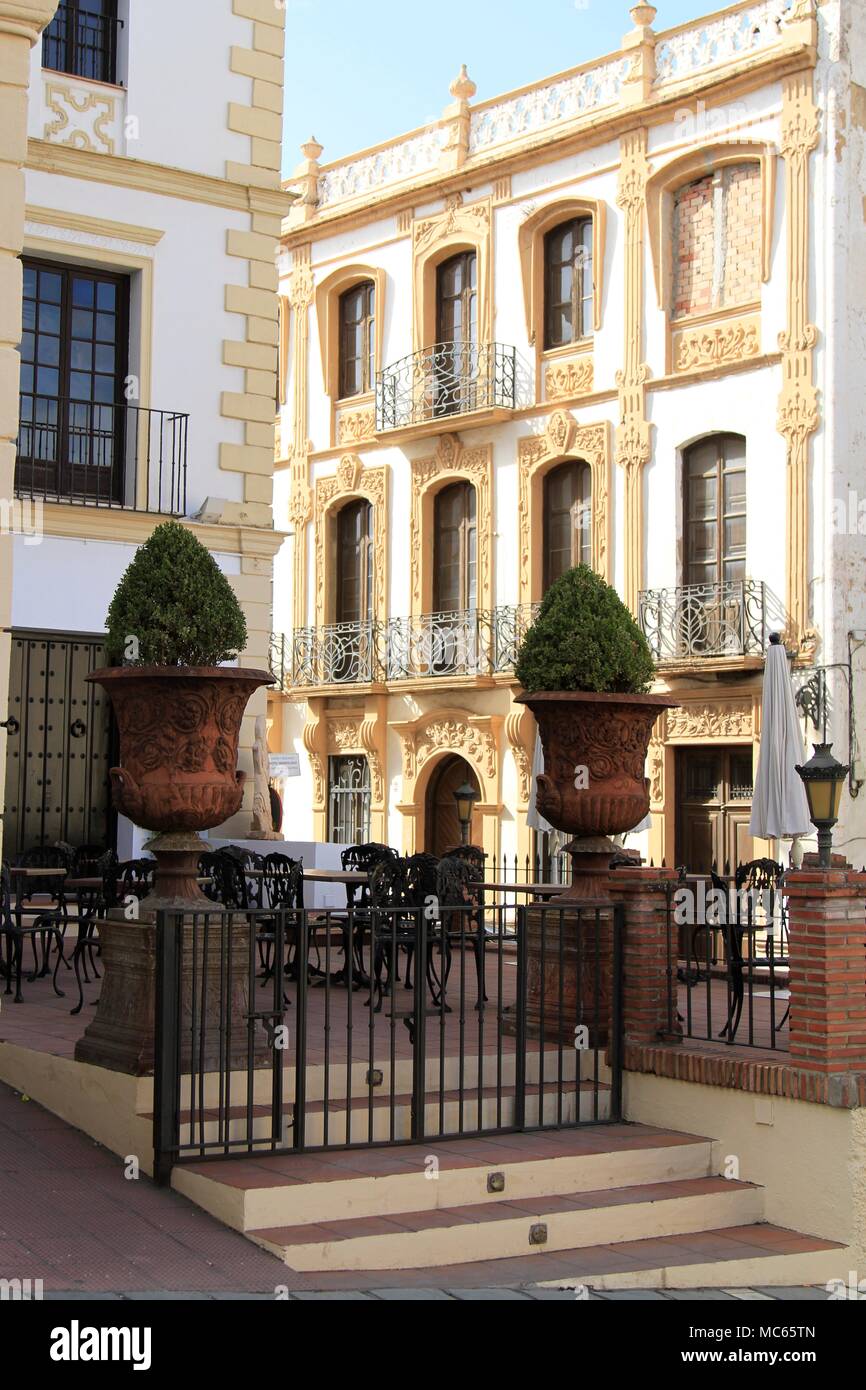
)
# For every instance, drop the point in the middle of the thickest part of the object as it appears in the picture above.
(443, 380)
(694, 622)
(474, 642)
(102, 454)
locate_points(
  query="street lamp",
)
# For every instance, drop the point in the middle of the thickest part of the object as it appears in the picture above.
(823, 777)
(465, 796)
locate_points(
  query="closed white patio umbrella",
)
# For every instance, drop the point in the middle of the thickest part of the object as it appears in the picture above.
(779, 805)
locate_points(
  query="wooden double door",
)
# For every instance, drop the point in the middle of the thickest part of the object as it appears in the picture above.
(714, 805)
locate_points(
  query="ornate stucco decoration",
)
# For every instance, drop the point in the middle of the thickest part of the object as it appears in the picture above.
(574, 377)
(712, 719)
(459, 226)
(519, 733)
(363, 733)
(562, 439)
(633, 433)
(300, 296)
(798, 408)
(315, 739)
(716, 345)
(87, 120)
(352, 479)
(354, 426)
(441, 733)
(450, 463)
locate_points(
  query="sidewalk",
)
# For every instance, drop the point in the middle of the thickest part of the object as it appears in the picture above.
(69, 1217)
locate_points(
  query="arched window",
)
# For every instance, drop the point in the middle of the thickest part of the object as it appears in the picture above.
(568, 304)
(354, 596)
(457, 299)
(714, 510)
(455, 560)
(567, 519)
(357, 339)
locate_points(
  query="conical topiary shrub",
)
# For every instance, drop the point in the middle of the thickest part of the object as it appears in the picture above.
(584, 638)
(174, 606)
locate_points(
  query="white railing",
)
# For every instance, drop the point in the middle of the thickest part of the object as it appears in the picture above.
(565, 99)
(705, 45)
(393, 164)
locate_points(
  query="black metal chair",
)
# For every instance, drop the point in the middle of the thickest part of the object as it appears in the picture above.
(26, 889)
(759, 876)
(282, 893)
(13, 932)
(461, 902)
(361, 859)
(122, 884)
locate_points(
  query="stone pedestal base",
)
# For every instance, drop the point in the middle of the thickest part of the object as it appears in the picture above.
(569, 975)
(121, 1036)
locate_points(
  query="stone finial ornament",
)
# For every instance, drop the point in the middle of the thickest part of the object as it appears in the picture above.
(463, 88)
(642, 16)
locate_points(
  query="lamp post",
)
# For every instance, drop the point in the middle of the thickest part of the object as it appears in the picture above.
(466, 797)
(822, 777)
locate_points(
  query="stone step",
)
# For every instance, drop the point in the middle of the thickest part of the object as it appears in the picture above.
(286, 1191)
(499, 1229)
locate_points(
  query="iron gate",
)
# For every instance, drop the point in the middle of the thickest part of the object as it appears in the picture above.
(58, 744)
(402, 1027)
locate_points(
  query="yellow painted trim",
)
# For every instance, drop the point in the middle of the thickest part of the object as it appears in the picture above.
(530, 238)
(451, 463)
(94, 226)
(351, 480)
(327, 297)
(114, 525)
(461, 227)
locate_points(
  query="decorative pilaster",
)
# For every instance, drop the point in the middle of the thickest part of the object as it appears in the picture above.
(456, 118)
(300, 495)
(640, 45)
(633, 432)
(798, 412)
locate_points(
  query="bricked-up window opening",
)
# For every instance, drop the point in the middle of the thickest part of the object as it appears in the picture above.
(357, 339)
(717, 241)
(349, 801)
(568, 283)
(82, 40)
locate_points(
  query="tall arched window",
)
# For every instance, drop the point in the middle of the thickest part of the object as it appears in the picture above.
(714, 510)
(357, 339)
(457, 299)
(455, 549)
(567, 519)
(354, 595)
(568, 283)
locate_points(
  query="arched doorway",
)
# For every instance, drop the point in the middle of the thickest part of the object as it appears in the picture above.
(441, 823)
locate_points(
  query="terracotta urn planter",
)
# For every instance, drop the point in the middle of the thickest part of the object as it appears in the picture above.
(179, 729)
(177, 775)
(593, 786)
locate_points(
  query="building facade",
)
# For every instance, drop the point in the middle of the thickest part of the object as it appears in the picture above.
(614, 317)
(139, 340)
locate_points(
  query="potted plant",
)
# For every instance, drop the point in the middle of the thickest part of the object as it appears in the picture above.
(172, 622)
(586, 669)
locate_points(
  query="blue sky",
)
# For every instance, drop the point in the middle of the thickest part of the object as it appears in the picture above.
(361, 71)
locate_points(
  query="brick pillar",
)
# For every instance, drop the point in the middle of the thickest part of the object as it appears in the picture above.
(648, 1016)
(827, 947)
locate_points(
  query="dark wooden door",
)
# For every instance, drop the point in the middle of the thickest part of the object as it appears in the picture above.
(59, 744)
(442, 824)
(714, 793)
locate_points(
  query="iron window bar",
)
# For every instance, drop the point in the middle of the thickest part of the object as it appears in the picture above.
(82, 43)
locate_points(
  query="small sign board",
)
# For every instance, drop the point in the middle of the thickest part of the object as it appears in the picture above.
(284, 765)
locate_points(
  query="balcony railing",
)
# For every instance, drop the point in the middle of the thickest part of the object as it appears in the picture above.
(102, 455)
(473, 642)
(698, 621)
(82, 43)
(446, 379)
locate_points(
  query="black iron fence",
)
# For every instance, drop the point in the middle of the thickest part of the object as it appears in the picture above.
(445, 379)
(102, 454)
(292, 1031)
(695, 621)
(82, 43)
(728, 963)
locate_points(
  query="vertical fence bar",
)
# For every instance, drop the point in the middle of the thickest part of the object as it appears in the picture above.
(616, 1039)
(419, 1031)
(166, 1072)
(522, 990)
(299, 1099)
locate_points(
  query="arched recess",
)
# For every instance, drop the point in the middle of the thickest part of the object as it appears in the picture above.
(441, 734)
(563, 439)
(531, 242)
(664, 183)
(351, 480)
(451, 463)
(434, 240)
